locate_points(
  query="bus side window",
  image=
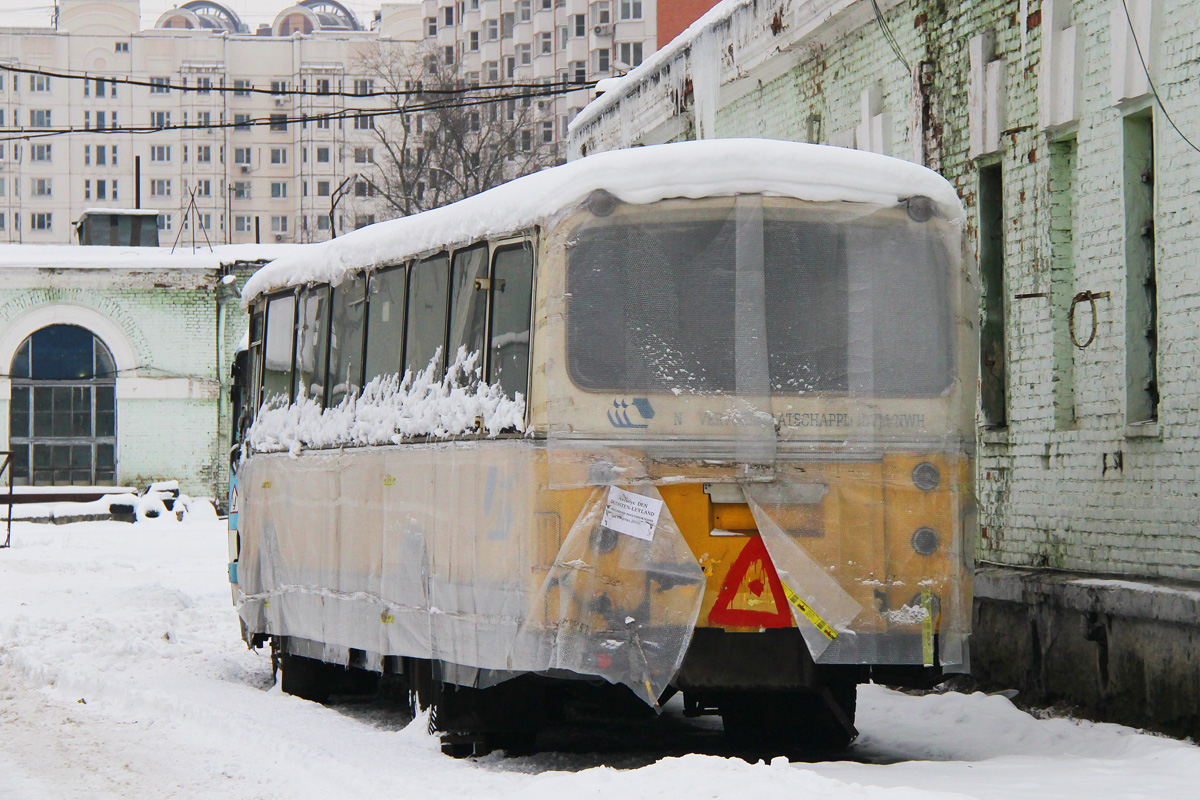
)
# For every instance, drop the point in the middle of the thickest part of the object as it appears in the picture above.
(426, 328)
(512, 301)
(253, 378)
(385, 323)
(312, 325)
(348, 302)
(277, 353)
(468, 301)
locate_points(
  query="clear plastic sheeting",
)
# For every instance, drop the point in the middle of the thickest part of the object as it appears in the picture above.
(821, 607)
(604, 599)
(453, 552)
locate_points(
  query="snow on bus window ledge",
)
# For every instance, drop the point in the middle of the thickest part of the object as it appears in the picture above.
(390, 410)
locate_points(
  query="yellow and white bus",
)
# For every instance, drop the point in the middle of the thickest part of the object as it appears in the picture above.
(689, 418)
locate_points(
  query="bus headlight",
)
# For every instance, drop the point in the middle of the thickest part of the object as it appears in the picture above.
(925, 541)
(926, 477)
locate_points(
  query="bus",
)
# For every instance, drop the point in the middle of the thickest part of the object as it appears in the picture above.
(688, 419)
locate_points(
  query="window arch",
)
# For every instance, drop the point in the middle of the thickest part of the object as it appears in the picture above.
(62, 415)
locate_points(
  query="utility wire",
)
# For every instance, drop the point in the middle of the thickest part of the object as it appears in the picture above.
(13, 134)
(891, 39)
(1149, 80)
(223, 88)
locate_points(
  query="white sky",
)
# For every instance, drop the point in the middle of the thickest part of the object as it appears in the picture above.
(14, 13)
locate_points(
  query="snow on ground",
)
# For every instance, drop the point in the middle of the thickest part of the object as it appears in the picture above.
(122, 675)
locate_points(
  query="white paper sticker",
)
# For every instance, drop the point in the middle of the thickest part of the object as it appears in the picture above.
(631, 514)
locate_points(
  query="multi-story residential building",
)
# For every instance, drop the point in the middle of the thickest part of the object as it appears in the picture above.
(168, 118)
(542, 41)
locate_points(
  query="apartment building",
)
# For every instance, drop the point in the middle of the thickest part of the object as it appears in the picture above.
(542, 41)
(220, 139)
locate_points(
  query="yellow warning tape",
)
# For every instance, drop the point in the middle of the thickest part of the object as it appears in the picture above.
(927, 628)
(809, 614)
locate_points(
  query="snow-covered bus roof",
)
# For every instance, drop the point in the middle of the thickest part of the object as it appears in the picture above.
(710, 168)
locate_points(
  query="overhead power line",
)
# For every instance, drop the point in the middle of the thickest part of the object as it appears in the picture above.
(225, 88)
(1150, 81)
(11, 134)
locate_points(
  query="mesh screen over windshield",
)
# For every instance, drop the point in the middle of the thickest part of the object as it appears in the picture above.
(857, 304)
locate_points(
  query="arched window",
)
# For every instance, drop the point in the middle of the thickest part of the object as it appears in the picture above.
(63, 413)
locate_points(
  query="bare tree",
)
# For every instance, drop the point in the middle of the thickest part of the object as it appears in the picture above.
(452, 138)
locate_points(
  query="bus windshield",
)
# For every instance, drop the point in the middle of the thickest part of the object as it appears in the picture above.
(854, 299)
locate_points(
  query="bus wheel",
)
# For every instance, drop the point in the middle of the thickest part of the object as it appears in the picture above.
(316, 680)
(821, 718)
(306, 678)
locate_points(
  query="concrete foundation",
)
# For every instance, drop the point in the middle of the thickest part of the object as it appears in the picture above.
(1116, 650)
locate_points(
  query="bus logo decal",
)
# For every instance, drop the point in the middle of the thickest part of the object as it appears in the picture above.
(619, 416)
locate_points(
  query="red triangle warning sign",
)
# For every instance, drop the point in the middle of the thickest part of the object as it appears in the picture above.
(751, 595)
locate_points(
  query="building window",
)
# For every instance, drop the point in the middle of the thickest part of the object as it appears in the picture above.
(40, 187)
(279, 189)
(121, 47)
(1141, 281)
(160, 187)
(40, 221)
(203, 85)
(41, 152)
(241, 190)
(448, 16)
(241, 87)
(39, 83)
(62, 416)
(993, 346)
(322, 188)
(473, 41)
(491, 30)
(364, 122)
(545, 43)
(630, 54)
(491, 71)
(524, 55)
(279, 155)
(279, 224)
(203, 118)
(279, 87)
(39, 118)
(241, 122)
(203, 188)
(165, 221)
(363, 220)
(279, 122)
(160, 119)
(204, 153)
(510, 66)
(160, 86)
(243, 224)
(431, 26)
(602, 59)
(506, 24)
(322, 155)
(160, 152)
(364, 86)
(364, 155)
(603, 15)
(524, 10)
(631, 9)
(547, 132)
(579, 23)
(578, 71)
(241, 155)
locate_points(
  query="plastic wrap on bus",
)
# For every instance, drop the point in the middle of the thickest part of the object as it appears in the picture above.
(454, 552)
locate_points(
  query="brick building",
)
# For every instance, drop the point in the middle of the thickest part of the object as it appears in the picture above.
(116, 361)
(1056, 121)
